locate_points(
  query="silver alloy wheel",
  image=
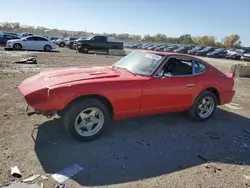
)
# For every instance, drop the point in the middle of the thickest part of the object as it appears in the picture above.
(17, 47)
(89, 122)
(206, 107)
(47, 48)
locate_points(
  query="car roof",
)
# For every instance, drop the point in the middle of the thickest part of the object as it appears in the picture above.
(36, 36)
(174, 54)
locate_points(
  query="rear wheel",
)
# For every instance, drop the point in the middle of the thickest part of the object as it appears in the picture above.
(47, 48)
(204, 106)
(17, 46)
(86, 120)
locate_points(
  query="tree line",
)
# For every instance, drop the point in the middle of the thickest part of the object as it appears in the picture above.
(230, 41)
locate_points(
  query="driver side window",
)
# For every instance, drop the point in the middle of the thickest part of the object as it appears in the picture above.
(177, 67)
(31, 38)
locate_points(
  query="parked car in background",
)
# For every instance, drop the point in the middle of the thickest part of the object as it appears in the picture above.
(154, 47)
(31, 43)
(145, 47)
(245, 56)
(218, 53)
(195, 49)
(54, 39)
(196, 87)
(73, 44)
(70, 44)
(98, 42)
(171, 48)
(5, 37)
(9, 33)
(78, 42)
(65, 41)
(60, 42)
(182, 49)
(205, 51)
(134, 46)
(234, 54)
(160, 48)
(25, 34)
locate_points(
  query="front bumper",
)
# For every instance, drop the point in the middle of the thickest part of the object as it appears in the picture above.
(46, 113)
(245, 58)
(9, 46)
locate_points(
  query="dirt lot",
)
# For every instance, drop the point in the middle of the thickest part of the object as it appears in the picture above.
(156, 151)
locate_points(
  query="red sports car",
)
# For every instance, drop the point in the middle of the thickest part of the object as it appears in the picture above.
(141, 83)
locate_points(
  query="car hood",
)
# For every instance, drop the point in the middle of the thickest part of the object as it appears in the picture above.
(14, 40)
(66, 76)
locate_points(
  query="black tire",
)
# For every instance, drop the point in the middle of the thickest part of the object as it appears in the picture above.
(193, 111)
(17, 46)
(71, 114)
(47, 48)
(85, 49)
(107, 51)
(61, 114)
(62, 44)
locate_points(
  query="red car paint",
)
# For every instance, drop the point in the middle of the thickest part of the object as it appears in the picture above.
(130, 95)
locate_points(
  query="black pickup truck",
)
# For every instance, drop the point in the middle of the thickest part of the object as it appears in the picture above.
(97, 42)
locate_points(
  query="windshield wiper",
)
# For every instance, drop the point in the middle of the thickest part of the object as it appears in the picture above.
(124, 69)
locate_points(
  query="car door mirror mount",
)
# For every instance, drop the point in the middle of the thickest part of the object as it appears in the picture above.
(165, 75)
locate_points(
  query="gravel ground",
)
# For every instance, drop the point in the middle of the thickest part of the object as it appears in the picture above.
(155, 151)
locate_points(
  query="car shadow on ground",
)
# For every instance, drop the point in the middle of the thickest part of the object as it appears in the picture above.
(100, 53)
(145, 147)
(52, 51)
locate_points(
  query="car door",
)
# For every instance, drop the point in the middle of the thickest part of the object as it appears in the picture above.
(169, 93)
(29, 43)
(98, 43)
(41, 43)
(223, 53)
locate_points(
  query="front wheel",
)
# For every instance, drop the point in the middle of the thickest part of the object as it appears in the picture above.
(204, 106)
(86, 120)
(17, 46)
(85, 49)
(62, 44)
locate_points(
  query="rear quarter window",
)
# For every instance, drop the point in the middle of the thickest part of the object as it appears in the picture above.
(199, 68)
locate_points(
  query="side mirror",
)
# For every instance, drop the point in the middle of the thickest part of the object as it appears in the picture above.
(24, 39)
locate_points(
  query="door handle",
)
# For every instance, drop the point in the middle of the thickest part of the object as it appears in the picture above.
(190, 85)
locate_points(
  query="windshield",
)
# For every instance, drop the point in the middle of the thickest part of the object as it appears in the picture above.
(207, 48)
(239, 51)
(217, 50)
(89, 37)
(142, 63)
(197, 48)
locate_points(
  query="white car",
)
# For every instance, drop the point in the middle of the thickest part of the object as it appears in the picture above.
(31, 43)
